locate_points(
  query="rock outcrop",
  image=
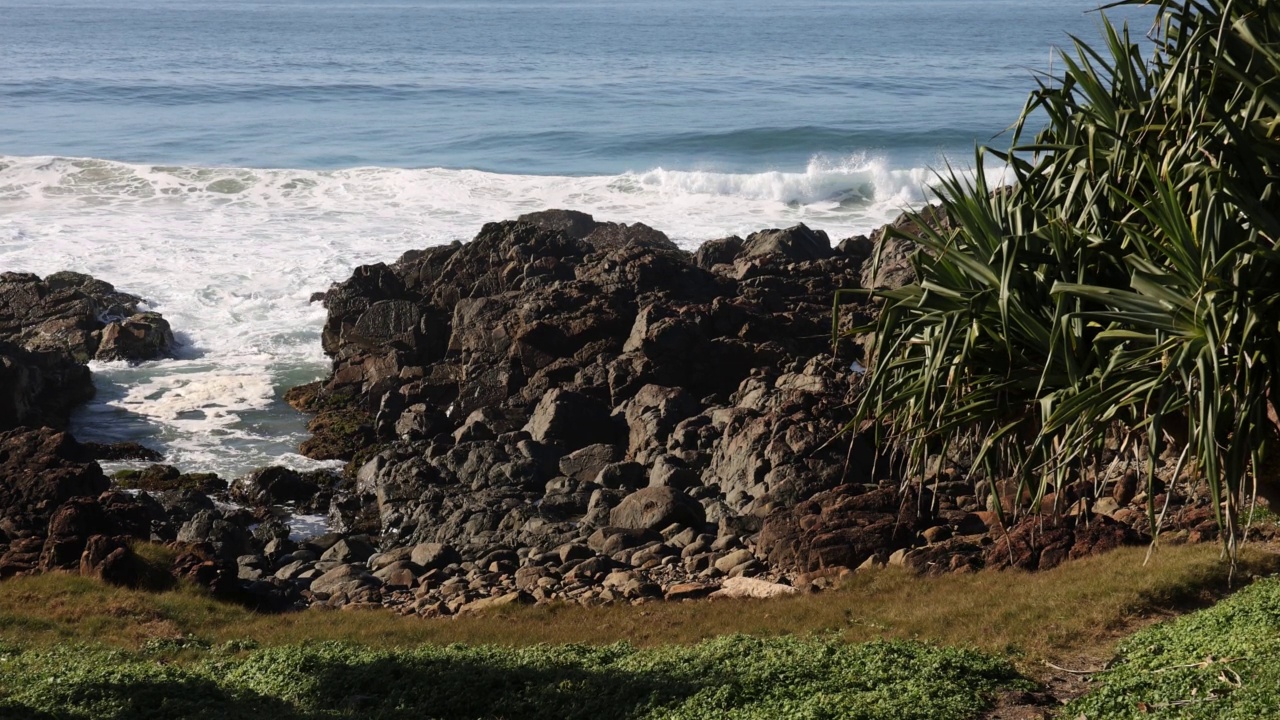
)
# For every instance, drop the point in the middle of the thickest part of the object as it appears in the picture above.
(50, 328)
(560, 410)
(40, 388)
(81, 316)
(524, 388)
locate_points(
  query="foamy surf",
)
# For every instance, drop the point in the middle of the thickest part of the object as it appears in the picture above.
(231, 257)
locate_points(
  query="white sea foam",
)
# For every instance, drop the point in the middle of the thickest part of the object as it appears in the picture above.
(306, 527)
(231, 257)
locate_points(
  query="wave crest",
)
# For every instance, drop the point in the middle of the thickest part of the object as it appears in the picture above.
(850, 182)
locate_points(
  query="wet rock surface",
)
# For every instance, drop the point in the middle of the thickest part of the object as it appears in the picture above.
(81, 316)
(51, 327)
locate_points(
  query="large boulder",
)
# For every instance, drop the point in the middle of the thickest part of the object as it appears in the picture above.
(40, 388)
(275, 485)
(842, 527)
(77, 520)
(654, 508)
(39, 470)
(80, 316)
(797, 244)
(572, 419)
(141, 336)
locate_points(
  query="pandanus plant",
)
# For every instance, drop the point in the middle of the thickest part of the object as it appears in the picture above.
(1122, 292)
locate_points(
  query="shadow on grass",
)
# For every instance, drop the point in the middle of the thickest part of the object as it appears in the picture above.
(341, 686)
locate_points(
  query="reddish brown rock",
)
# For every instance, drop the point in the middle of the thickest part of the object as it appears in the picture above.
(71, 526)
(110, 559)
(1040, 542)
(39, 470)
(840, 527)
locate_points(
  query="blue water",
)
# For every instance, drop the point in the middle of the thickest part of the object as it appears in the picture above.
(552, 88)
(227, 160)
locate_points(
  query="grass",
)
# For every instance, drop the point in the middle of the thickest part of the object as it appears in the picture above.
(736, 676)
(1222, 663)
(886, 645)
(1083, 604)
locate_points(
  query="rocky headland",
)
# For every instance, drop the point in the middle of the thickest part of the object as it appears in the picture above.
(560, 410)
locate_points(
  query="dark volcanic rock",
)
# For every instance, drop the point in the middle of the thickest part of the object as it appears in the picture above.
(1041, 542)
(79, 519)
(80, 316)
(513, 390)
(275, 485)
(891, 266)
(841, 528)
(122, 451)
(50, 328)
(141, 336)
(40, 388)
(796, 244)
(655, 508)
(111, 560)
(571, 419)
(42, 468)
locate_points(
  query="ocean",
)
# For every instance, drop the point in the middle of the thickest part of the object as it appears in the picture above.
(226, 160)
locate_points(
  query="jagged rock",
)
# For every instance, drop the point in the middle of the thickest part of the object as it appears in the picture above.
(79, 518)
(199, 564)
(892, 266)
(514, 390)
(274, 485)
(166, 477)
(586, 463)
(841, 527)
(122, 451)
(718, 252)
(226, 539)
(1041, 543)
(572, 419)
(49, 328)
(40, 388)
(109, 559)
(39, 470)
(71, 313)
(651, 415)
(141, 336)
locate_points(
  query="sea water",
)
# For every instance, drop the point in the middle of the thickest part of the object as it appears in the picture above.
(227, 160)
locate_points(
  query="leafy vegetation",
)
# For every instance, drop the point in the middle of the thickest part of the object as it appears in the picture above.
(1121, 298)
(731, 677)
(1221, 664)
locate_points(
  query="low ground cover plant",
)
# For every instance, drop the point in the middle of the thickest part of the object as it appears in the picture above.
(1222, 663)
(729, 677)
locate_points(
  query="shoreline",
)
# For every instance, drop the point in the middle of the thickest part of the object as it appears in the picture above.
(564, 409)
